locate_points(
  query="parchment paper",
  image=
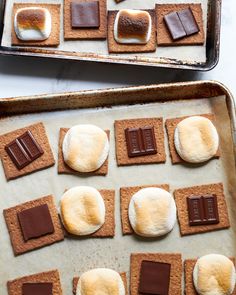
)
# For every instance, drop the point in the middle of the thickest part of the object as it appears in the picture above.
(74, 256)
(184, 53)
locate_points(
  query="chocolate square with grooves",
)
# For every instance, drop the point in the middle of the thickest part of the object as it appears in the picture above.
(23, 150)
(154, 278)
(85, 14)
(202, 210)
(140, 141)
(37, 289)
(35, 222)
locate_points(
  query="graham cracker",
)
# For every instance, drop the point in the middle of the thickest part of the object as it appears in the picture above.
(85, 33)
(14, 228)
(63, 168)
(126, 194)
(188, 273)
(170, 125)
(114, 47)
(44, 161)
(121, 147)
(182, 209)
(122, 274)
(15, 286)
(163, 35)
(54, 38)
(108, 228)
(174, 259)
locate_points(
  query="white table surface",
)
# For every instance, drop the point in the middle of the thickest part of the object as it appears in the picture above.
(27, 76)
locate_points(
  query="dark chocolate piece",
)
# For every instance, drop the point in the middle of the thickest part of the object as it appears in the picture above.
(85, 14)
(154, 278)
(37, 289)
(202, 210)
(174, 25)
(23, 150)
(35, 222)
(188, 21)
(140, 141)
(181, 23)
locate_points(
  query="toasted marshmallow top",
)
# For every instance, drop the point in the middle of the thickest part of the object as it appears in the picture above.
(100, 281)
(152, 212)
(82, 210)
(33, 24)
(132, 26)
(196, 139)
(214, 274)
(85, 148)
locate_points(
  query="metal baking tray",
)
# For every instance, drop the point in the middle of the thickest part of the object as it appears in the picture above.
(212, 47)
(74, 256)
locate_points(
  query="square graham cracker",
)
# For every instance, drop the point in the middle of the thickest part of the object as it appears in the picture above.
(126, 194)
(121, 147)
(44, 161)
(181, 195)
(174, 259)
(164, 37)
(14, 228)
(63, 168)
(114, 47)
(122, 274)
(170, 125)
(108, 228)
(15, 286)
(85, 33)
(188, 273)
(54, 38)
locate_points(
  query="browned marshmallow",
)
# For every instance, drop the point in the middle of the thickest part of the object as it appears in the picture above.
(132, 27)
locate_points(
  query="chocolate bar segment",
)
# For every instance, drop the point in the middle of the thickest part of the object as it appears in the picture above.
(181, 23)
(85, 14)
(35, 222)
(154, 278)
(23, 150)
(174, 26)
(17, 154)
(140, 141)
(202, 210)
(188, 21)
(37, 289)
(30, 145)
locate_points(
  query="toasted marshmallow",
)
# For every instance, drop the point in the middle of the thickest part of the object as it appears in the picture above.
(152, 212)
(33, 24)
(82, 210)
(85, 148)
(196, 139)
(132, 26)
(99, 281)
(214, 274)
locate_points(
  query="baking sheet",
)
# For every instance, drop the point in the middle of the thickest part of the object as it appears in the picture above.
(74, 256)
(183, 53)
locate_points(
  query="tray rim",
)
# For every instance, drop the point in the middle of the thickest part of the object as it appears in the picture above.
(212, 48)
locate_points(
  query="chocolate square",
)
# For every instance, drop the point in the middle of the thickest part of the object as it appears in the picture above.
(188, 21)
(23, 150)
(181, 23)
(85, 14)
(202, 210)
(140, 141)
(37, 289)
(174, 26)
(35, 222)
(154, 278)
